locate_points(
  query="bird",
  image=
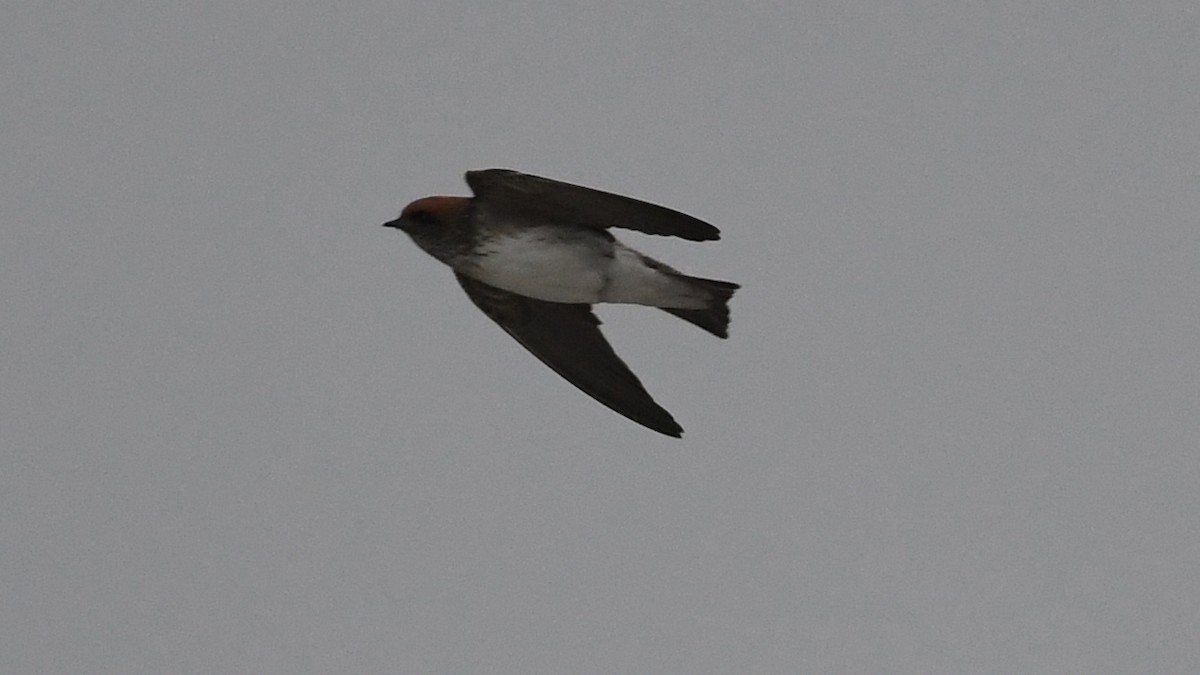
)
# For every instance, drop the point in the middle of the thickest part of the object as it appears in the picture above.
(535, 254)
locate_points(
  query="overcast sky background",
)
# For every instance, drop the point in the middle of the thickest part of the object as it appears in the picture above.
(956, 428)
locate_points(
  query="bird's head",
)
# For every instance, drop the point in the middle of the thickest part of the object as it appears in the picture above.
(436, 224)
(429, 214)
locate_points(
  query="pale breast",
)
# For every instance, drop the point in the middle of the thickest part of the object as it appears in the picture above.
(556, 264)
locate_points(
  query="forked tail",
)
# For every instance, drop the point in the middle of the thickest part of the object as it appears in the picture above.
(715, 317)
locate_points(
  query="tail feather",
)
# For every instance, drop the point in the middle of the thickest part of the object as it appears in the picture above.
(715, 317)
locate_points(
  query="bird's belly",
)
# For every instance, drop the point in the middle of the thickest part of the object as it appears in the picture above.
(545, 263)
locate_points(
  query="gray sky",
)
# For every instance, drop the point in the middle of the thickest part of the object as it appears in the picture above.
(246, 429)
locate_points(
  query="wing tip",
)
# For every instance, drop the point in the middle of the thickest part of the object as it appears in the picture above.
(677, 432)
(658, 420)
(708, 233)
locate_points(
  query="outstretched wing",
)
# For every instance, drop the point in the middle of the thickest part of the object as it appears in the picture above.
(508, 193)
(567, 338)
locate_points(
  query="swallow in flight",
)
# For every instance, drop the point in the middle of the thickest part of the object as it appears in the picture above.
(535, 254)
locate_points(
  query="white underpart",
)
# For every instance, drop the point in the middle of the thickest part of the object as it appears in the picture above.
(559, 265)
(542, 263)
(633, 281)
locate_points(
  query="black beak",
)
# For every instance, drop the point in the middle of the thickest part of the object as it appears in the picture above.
(394, 223)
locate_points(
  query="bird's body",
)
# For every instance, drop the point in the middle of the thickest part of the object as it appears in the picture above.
(534, 254)
(555, 263)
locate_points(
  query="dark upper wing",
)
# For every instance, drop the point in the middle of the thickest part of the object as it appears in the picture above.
(507, 192)
(567, 338)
